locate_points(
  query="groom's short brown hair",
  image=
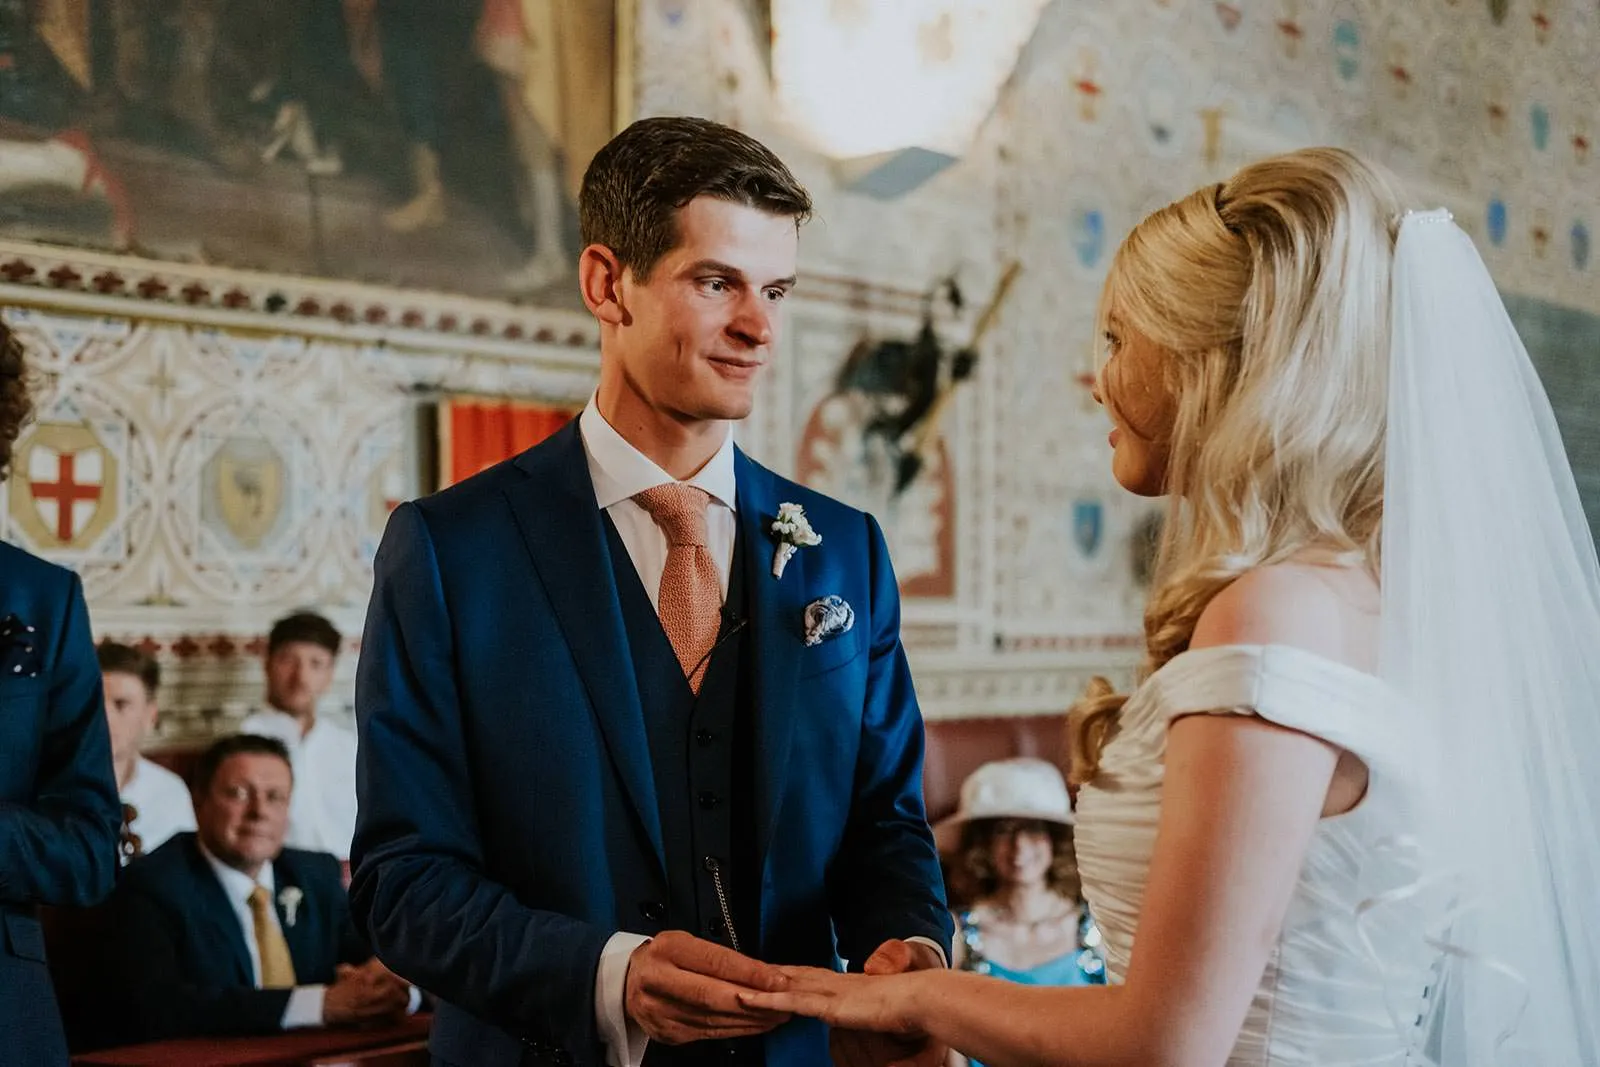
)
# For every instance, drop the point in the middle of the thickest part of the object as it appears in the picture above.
(635, 185)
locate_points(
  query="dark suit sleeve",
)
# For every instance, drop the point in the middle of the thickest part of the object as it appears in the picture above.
(62, 847)
(885, 882)
(419, 890)
(154, 997)
(352, 946)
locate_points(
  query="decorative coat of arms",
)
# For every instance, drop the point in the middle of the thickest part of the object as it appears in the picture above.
(245, 481)
(1088, 524)
(64, 486)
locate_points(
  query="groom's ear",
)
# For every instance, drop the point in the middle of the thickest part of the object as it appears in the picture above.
(603, 281)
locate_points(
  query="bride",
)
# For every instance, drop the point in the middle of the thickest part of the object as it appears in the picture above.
(1349, 816)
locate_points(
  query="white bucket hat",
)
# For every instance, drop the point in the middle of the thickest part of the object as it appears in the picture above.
(1021, 788)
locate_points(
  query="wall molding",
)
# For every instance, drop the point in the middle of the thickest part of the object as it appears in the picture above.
(134, 287)
(950, 687)
(92, 282)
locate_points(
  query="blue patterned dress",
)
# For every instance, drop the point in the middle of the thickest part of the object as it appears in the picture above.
(1082, 966)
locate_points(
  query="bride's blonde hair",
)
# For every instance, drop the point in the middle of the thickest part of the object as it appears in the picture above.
(1268, 296)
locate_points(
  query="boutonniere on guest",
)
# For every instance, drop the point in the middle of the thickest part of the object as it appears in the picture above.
(19, 649)
(794, 533)
(289, 898)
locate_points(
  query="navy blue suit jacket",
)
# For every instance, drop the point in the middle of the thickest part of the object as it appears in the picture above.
(508, 820)
(179, 965)
(59, 812)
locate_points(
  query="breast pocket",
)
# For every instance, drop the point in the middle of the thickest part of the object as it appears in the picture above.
(22, 715)
(833, 653)
(24, 937)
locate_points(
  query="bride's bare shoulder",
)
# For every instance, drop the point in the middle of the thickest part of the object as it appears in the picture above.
(1328, 609)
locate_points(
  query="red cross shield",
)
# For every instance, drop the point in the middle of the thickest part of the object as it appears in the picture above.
(63, 492)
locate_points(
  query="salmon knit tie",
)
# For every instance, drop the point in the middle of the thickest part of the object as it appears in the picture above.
(690, 598)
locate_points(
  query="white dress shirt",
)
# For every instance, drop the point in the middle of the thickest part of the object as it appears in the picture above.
(305, 1002)
(619, 472)
(161, 804)
(322, 808)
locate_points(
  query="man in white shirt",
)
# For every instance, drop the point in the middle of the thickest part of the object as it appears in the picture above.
(301, 650)
(226, 932)
(155, 801)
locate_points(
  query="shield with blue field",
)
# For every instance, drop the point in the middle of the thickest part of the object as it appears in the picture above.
(1089, 235)
(1088, 526)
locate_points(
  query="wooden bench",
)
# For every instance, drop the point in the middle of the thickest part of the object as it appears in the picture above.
(402, 1045)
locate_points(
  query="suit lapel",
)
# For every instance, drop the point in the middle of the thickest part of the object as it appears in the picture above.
(297, 929)
(777, 609)
(561, 527)
(213, 909)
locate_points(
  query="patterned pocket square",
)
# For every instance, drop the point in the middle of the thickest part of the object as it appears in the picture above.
(19, 649)
(828, 617)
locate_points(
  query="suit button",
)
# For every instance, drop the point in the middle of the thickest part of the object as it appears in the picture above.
(709, 800)
(705, 737)
(653, 911)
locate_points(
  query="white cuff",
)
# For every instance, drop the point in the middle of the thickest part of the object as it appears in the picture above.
(413, 1000)
(944, 957)
(304, 1008)
(625, 1039)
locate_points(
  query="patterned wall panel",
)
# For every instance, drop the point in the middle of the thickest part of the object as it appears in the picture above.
(206, 472)
(206, 480)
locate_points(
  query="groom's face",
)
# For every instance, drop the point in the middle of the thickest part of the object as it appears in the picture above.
(704, 326)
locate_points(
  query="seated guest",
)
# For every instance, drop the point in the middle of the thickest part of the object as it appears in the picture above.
(301, 650)
(226, 932)
(155, 801)
(1011, 847)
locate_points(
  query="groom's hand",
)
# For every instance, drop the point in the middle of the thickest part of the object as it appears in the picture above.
(680, 989)
(860, 1048)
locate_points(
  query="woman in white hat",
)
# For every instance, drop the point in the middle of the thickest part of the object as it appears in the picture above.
(1010, 845)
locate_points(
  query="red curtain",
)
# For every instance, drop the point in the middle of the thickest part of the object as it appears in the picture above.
(475, 432)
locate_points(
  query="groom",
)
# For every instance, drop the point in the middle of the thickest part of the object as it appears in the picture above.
(617, 762)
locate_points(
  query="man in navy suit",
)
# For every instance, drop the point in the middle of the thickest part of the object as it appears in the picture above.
(617, 761)
(59, 812)
(226, 932)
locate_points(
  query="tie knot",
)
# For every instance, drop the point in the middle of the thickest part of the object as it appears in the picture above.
(680, 511)
(260, 899)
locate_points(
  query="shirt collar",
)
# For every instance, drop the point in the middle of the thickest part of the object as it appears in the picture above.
(620, 471)
(235, 883)
(286, 727)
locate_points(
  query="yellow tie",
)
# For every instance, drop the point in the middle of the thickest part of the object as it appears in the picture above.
(277, 968)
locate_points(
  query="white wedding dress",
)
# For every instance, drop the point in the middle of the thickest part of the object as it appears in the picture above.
(1349, 978)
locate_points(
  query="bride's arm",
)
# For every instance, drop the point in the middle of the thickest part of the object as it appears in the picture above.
(1239, 804)
(1240, 801)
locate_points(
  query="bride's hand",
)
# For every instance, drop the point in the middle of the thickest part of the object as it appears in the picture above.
(845, 1001)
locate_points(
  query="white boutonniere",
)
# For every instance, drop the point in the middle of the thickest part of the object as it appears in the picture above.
(794, 533)
(289, 898)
